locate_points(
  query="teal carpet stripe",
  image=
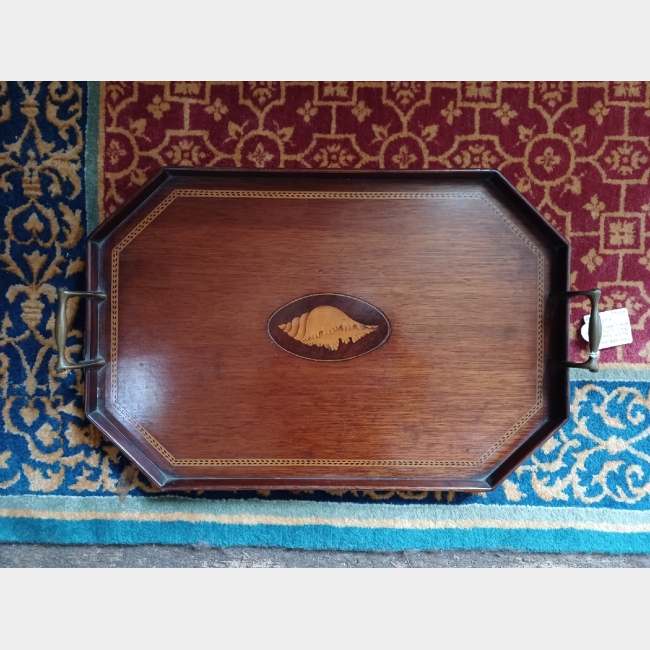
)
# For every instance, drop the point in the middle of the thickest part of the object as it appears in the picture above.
(318, 537)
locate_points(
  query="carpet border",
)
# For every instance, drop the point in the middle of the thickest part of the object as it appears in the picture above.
(309, 525)
(91, 155)
(610, 374)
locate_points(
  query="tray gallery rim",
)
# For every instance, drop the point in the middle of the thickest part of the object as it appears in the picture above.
(167, 480)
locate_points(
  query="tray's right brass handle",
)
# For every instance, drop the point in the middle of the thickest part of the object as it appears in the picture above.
(61, 329)
(595, 329)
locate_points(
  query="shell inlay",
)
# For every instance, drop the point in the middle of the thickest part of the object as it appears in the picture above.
(326, 327)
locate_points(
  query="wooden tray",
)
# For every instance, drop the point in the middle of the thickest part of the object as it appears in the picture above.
(370, 330)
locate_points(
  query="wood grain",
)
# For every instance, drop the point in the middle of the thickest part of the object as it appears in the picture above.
(197, 391)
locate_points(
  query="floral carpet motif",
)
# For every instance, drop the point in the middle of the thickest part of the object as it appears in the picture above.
(71, 153)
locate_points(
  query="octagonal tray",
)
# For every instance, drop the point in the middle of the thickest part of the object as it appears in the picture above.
(369, 330)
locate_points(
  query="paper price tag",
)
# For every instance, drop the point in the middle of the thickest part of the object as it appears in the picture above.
(616, 328)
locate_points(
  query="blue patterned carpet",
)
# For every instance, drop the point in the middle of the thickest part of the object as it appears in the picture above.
(586, 489)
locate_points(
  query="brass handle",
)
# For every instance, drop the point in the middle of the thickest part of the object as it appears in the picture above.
(595, 329)
(61, 329)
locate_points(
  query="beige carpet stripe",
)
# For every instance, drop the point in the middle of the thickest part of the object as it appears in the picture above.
(274, 520)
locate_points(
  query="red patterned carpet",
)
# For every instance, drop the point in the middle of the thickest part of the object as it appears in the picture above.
(578, 151)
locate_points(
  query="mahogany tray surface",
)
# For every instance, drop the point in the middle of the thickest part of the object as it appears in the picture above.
(369, 330)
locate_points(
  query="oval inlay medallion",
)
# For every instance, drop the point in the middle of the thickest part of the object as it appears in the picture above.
(328, 327)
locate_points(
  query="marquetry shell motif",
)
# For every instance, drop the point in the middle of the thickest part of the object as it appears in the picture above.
(326, 327)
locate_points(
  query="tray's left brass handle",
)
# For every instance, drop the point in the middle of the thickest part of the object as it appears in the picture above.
(61, 329)
(595, 329)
